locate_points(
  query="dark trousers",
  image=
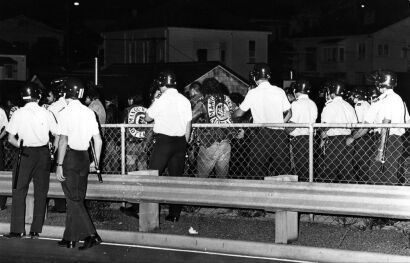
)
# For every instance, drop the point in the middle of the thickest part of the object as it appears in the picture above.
(388, 173)
(338, 160)
(300, 151)
(269, 153)
(78, 224)
(169, 152)
(35, 164)
(364, 150)
(3, 198)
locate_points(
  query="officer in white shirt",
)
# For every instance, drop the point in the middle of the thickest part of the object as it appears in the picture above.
(389, 108)
(304, 110)
(3, 124)
(268, 104)
(172, 114)
(363, 146)
(77, 124)
(337, 157)
(55, 108)
(32, 124)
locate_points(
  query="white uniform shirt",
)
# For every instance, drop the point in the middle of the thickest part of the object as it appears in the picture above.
(304, 110)
(3, 119)
(57, 106)
(32, 123)
(79, 123)
(171, 112)
(267, 103)
(361, 109)
(390, 106)
(338, 111)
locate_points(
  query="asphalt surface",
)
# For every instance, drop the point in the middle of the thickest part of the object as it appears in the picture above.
(46, 250)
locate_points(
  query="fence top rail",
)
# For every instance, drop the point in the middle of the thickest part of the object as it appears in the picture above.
(273, 125)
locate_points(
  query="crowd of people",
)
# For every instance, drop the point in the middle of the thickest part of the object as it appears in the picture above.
(64, 121)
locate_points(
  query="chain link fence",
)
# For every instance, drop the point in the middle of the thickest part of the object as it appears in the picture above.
(254, 151)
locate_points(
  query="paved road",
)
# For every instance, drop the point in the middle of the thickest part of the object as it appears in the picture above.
(46, 250)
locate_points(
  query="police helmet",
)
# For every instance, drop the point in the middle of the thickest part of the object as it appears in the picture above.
(166, 78)
(30, 91)
(335, 87)
(384, 79)
(70, 88)
(259, 71)
(302, 86)
(373, 94)
(358, 93)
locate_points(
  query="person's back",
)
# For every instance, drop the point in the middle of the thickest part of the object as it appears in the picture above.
(267, 103)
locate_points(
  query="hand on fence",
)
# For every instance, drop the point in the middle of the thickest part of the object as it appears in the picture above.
(349, 141)
(240, 134)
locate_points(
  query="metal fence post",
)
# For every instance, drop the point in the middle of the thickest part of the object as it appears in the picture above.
(311, 133)
(122, 149)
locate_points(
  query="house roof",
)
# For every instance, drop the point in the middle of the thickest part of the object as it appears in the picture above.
(133, 78)
(7, 60)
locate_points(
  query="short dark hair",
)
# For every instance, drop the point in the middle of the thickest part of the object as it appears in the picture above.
(93, 93)
(195, 85)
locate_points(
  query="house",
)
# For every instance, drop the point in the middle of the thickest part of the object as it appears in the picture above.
(24, 32)
(237, 49)
(127, 79)
(13, 67)
(350, 57)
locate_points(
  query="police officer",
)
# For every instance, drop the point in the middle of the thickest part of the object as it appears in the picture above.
(338, 157)
(172, 115)
(32, 125)
(304, 110)
(389, 108)
(77, 124)
(268, 104)
(55, 108)
(363, 145)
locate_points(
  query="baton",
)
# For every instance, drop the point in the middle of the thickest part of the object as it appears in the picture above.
(16, 175)
(97, 166)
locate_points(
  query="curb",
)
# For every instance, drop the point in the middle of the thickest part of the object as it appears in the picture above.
(229, 246)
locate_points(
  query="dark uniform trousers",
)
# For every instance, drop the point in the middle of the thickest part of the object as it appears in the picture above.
(78, 224)
(3, 198)
(300, 151)
(338, 160)
(35, 164)
(269, 153)
(364, 152)
(169, 152)
(393, 153)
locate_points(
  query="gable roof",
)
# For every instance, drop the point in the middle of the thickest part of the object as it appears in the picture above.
(123, 79)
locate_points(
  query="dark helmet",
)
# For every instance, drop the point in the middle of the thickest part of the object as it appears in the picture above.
(70, 88)
(302, 86)
(335, 87)
(167, 78)
(384, 79)
(259, 71)
(30, 91)
(373, 93)
(359, 93)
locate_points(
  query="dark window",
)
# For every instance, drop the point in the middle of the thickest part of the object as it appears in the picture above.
(223, 56)
(341, 54)
(311, 59)
(252, 51)
(202, 55)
